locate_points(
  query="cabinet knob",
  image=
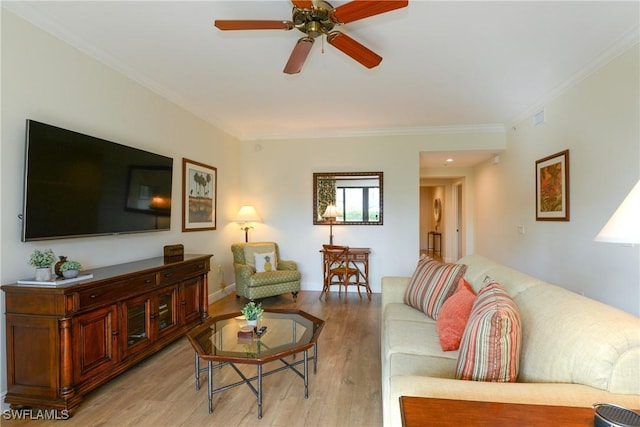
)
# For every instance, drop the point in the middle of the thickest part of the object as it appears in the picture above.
(93, 296)
(114, 333)
(148, 281)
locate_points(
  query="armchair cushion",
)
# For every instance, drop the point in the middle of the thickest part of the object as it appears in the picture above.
(265, 262)
(250, 249)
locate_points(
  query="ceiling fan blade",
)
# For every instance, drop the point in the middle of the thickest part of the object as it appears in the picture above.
(360, 9)
(354, 49)
(302, 4)
(298, 55)
(239, 24)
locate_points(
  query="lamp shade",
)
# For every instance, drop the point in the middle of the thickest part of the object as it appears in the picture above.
(331, 212)
(624, 225)
(247, 213)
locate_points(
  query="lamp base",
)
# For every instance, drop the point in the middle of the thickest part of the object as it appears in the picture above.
(246, 233)
(331, 233)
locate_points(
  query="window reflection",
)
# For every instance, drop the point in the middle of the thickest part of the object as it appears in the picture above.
(357, 195)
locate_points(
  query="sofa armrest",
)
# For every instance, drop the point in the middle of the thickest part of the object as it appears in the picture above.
(284, 264)
(393, 289)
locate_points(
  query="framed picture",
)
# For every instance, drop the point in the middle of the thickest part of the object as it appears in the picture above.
(199, 184)
(552, 187)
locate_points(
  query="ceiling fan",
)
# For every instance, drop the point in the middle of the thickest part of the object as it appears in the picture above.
(316, 18)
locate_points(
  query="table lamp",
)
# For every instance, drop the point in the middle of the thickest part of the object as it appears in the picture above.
(624, 225)
(245, 215)
(331, 213)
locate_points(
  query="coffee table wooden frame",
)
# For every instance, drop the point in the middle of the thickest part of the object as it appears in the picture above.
(218, 361)
(422, 411)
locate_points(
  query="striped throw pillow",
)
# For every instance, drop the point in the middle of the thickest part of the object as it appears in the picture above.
(431, 284)
(490, 345)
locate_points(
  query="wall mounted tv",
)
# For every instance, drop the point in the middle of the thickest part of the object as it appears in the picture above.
(79, 185)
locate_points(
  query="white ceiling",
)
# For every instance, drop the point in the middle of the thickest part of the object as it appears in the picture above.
(447, 65)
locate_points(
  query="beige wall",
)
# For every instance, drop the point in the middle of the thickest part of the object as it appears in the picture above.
(598, 120)
(277, 179)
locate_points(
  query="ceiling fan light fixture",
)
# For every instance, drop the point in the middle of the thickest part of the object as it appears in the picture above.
(354, 49)
(313, 29)
(298, 55)
(316, 18)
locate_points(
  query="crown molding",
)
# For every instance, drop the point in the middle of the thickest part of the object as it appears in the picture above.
(617, 48)
(369, 132)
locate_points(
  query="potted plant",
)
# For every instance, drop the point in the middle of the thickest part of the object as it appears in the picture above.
(70, 269)
(42, 261)
(252, 312)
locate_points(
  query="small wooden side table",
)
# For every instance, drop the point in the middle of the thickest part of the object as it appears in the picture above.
(432, 238)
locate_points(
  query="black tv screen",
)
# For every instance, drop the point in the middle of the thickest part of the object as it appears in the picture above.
(79, 185)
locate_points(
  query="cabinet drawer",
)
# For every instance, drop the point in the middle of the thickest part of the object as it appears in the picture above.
(115, 291)
(358, 257)
(177, 274)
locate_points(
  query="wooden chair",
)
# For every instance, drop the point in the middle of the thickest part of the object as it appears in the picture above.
(336, 266)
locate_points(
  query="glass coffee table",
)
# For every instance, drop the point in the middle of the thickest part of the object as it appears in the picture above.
(226, 340)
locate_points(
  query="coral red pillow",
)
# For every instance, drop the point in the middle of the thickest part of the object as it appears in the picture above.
(454, 315)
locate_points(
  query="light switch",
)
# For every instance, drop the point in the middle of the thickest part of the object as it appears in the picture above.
(521, 229)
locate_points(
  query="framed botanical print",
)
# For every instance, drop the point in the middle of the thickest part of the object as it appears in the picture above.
(552, 187)
(199, 185)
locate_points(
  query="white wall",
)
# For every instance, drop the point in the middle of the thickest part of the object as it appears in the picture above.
(277, 179)
(45, 79)
(598, 120)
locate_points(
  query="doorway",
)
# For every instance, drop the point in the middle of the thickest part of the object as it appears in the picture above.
(443, 197)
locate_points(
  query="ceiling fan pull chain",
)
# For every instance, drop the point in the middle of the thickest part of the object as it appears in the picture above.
(322, 50)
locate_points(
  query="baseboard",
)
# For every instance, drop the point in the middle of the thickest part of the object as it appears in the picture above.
(221, 293)
(3, 406)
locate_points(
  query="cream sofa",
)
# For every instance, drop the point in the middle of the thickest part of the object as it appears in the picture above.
(575, 351)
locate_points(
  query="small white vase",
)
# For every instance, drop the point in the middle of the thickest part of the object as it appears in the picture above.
(43, 274)
(252, 322)
(70, 274)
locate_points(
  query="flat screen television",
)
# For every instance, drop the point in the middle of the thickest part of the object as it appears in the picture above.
(79, 185)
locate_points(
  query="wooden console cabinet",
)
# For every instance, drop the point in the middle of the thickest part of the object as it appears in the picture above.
(65, 341)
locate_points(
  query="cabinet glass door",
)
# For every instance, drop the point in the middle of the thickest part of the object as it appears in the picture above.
(136, 323)
(136, 315)
(167, 314)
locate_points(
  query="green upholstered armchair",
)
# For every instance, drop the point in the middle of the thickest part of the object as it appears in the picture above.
(260, 272)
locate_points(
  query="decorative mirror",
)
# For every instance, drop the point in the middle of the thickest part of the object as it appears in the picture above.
(357, 197)
(437, 212)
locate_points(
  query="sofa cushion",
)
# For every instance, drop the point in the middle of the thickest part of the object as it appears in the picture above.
(409, 337)
(431, 284)
(265, 261)
(490, 345)
(454, 315)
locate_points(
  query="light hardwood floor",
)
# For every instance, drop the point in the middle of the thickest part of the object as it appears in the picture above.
(161, 390)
